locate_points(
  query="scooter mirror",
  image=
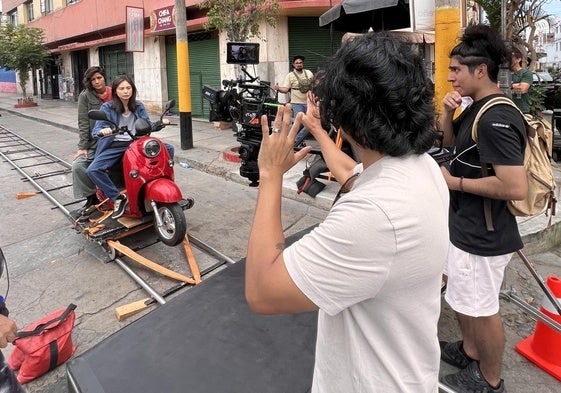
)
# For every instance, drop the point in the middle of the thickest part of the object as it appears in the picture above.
(142, 127)
(97, 115)
(170, 104)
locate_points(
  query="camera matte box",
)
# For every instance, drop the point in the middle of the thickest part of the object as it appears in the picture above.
(205, 340)
(210, 94)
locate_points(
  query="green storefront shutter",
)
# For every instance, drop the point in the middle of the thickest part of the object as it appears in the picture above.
(307, 39)
(204, 65)
(171, 62)
(116, 61)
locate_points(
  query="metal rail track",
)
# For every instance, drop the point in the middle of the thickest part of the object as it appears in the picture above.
(51, 176)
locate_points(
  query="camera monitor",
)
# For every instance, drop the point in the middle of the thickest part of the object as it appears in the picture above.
(242, 53)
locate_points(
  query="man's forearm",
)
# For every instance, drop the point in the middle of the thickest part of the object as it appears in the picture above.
(266, 240)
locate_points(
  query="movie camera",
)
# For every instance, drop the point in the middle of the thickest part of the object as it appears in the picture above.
(243, 101)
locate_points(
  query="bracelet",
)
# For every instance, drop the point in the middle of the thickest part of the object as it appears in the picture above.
(462, 184)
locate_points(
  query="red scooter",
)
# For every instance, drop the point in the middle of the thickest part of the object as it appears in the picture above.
(148, 178)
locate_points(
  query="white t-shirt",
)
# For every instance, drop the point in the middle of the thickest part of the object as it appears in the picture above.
(126, 120)
(374, 268)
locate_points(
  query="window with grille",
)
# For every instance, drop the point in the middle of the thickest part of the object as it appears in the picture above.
(13, 18)
(46, 6)
(29, 9)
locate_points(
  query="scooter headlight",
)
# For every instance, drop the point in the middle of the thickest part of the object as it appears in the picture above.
(151, 148)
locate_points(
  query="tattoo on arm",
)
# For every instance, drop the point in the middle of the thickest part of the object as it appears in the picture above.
(281, 246)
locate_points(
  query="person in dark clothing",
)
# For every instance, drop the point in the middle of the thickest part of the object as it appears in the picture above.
(478, 256)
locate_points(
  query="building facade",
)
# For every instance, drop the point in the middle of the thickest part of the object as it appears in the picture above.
(82, 33)
(552, 48)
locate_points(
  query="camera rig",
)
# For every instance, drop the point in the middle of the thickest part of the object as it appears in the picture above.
(243, 101)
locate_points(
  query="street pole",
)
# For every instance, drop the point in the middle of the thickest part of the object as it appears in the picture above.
(446, 31)
(183, 78)
(505, 76)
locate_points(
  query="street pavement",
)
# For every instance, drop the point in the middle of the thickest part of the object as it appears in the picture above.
(51, 265)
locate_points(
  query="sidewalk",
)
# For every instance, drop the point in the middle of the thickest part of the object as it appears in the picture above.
(207, 155)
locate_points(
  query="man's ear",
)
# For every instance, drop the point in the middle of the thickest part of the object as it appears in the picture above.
(481, 70)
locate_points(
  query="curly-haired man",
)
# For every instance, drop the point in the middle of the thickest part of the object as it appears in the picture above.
(373, 267)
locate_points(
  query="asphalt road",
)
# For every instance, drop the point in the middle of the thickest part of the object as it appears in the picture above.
(51, 265)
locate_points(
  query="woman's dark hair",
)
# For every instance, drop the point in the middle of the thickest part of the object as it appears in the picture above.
(116, 102)
(481, 44)
(89, 73)
(376, 89)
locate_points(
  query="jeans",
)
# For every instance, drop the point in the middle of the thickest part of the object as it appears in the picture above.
(105, 157)
(297, 108)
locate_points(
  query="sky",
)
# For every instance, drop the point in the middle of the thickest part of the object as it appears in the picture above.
(552, 7)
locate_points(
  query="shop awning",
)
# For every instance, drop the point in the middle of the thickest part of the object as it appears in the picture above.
(358, 16)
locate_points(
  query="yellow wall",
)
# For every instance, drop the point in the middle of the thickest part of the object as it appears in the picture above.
(446, 34)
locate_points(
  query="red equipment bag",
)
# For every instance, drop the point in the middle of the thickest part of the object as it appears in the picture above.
(44, 345)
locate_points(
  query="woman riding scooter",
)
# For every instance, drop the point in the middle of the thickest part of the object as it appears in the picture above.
(123, 110)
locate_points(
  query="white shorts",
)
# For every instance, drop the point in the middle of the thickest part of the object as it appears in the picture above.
(474, 282)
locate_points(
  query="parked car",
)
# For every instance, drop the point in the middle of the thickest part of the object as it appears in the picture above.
(545, 80)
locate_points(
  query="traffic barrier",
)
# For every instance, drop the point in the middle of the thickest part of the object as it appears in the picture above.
(543, 348)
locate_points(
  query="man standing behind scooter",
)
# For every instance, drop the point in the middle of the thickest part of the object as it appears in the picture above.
(298, 83)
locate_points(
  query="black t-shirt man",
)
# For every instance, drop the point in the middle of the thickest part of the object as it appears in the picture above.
(502, 140)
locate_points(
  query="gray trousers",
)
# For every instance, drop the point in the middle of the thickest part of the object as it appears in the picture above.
(82, 185)
(8, 381)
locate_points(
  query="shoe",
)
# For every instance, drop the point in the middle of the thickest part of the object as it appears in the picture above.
(470, 380)
(120, 205)
(91, 201)
(453, 354)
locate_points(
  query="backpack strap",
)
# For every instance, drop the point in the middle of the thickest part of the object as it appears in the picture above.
(484, 169)
(488, 104)
(300, 80)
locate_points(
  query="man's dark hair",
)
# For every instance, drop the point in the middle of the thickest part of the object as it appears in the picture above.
(516, 53)
(89, 73)
(481, 44)
(116, 102)
(298, 57)
(375, 88)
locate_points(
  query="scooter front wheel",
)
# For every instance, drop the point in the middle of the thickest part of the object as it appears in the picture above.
(174, 226)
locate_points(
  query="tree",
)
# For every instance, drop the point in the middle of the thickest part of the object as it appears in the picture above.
(520, 24)
(22, 50)
(240, 18)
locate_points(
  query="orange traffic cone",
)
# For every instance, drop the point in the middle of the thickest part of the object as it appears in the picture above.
(543, 348)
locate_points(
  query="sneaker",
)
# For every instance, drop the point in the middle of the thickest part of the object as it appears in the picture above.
(120, 205)
(470, 380)
(88, 207)
(453, 354)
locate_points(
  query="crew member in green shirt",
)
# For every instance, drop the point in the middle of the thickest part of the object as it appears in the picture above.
(522, 79)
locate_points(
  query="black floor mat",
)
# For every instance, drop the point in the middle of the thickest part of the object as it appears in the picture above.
(205, 340)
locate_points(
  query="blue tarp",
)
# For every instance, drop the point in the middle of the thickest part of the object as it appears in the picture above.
(7, 76)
